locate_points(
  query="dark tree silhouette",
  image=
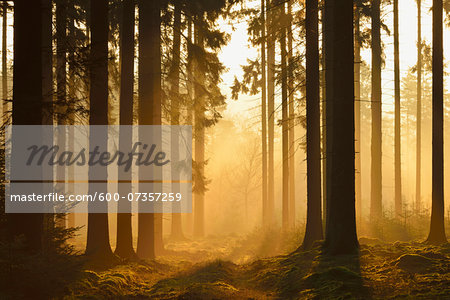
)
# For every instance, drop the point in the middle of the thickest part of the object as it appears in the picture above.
(4, 59)
(376, 170)
(174, 78)
(270, 108)
(340, 235)
(419, 106)
(397, 139)
(124, 246)
(358, 113)
(199, 134)
(437, 228)
(265, 206)
(98, 247)
(61, 86)
(27, 102)
(47, 62)
(291, 79)
(314, 207)
(149, 101)
(285, 118)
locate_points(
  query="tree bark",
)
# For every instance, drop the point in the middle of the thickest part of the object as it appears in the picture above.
(98, 247)
(376, 166)
(314, 207)
(189, 109)
(265, 212)
(271, 110)
(47, 62)
(437, 227)
(358, 116)
(291, 120)
(284, 122)
(61, 89)
(4, 60)
(199, 134)
(398, 164)
(72, 41)
(324, 127)
(149, 104)
(177, 230)
(27, 103)
(341, 226)
(419, 108)
(124, 245)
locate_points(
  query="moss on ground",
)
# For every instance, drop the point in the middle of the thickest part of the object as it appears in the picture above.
(380, 271)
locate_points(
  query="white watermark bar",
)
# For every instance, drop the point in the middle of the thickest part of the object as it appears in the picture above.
(98, 169)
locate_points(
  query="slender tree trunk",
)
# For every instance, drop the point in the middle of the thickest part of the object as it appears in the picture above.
(86, 44)
(149, 104)
(376, 170)
(419, 108)
(324, 127)
(61, 89)
(271, 110)
(71, 99)
(27, 104)
(47, 62)
(314, 208)
(47, 109)
(124, 245)
(61, 59)
(159, 242)
(177, 230)
(265, 213)
(189, 109)
(398, 164)
(437, 227)
(98, 246)
(291, 120)
(285, 122)
(341, 226)
(4, 61)
(358, 116)
(199, 133)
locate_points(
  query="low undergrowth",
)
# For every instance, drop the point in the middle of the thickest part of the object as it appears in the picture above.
(381, 270)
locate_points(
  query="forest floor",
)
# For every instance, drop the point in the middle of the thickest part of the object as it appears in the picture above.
(235, 268)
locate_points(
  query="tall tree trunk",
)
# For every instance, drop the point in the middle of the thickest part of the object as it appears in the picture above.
(72, 41)
(189, 108)
(419, 107)
(61, 89)
(61, 59)
(284, 122)
(324, 127)
(341, 226)
(398, 164)
(159, 242)
(47, 101)
(265, 213)
(98, 246)
(314, 207)
(124, 245)
(4, 60)
(27, 103)
(199, 133)
(376, 170)
(291, 120)
(270, 110)
(358, 115)
(47, 62)
(149, 103)
(437, 228)
(177, 230)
